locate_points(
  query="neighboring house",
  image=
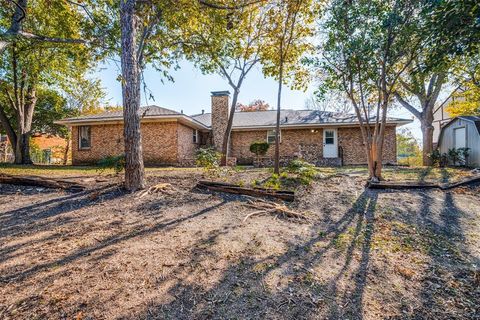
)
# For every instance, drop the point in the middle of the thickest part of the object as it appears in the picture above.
(44, 148)
(53, 148)
(462, 132)
(441, 116)
(171, 138)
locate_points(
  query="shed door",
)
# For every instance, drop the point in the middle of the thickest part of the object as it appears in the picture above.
(460, 137)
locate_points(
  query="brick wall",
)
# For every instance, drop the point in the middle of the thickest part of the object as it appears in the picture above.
(163, 143)
(220, 114)
(294, 142)
(308, 144)
(350, 139)
(171, 143)
(186, 147)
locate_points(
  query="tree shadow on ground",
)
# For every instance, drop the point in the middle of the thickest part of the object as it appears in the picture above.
(241, 290)
(18, 275)
(451, 282)
(34, 218)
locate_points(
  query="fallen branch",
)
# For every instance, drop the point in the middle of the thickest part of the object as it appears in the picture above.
(255, 192)
(37, 181)
(267, 207)
(166, 188)
(422, 185)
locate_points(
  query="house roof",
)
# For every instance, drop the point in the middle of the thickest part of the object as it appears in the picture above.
(292, 118)
(241, 120)
(144, 111)
(148, 112)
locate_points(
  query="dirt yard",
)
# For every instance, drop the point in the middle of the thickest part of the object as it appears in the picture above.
(362, 254)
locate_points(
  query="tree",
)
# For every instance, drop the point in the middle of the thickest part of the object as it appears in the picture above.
(255, 105)
(425, 86)
(466, 102)
(364, 54)
(146, 39)
(228, 44)
(18, 29)
(408, 149)
(29, 66)
(290, 25)
(332, 101)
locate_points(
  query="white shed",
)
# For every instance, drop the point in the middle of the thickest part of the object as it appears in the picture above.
(462, 132)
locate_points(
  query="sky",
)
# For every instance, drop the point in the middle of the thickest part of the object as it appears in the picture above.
(191, 89)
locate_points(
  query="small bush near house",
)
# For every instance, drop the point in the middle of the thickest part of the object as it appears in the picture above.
(116, 163)
(464, 154)
(208, 158)
(453, 156)
(435, 157)
(259, 148)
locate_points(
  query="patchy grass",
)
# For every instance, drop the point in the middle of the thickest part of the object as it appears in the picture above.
(48, 170)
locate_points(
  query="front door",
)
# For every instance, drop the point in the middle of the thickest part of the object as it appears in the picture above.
(330, 145)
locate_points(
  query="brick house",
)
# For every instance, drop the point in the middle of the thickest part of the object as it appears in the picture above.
(171, 138)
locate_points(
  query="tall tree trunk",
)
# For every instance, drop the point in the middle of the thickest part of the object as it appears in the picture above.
(276, 169)
(134, 167)
(427, 141)
(228, 131)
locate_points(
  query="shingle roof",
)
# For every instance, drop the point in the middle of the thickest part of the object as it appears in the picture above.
(144, 111)
(287, 117)
(241, 119)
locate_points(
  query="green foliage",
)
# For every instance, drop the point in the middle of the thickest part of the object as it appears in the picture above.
(408, 149)
(290, 26)
(273, 182)
(208, 158)
(453, 155)
(51, 107)
(435, 157)
(305, 171)
(116, 163)
(259, 148)
(459, 155)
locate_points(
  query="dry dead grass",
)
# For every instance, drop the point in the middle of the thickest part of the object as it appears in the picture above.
(364, 254)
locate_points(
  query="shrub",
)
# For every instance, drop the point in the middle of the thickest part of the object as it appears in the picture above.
(259, 148)
(453, 155)
(304, 170)
(464, 153)
(435, 157)
(273, 182)
(208, 158)
(117, 163)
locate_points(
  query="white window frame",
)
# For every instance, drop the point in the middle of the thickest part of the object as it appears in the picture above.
(80, 138)
(195, 136)
(271, 135)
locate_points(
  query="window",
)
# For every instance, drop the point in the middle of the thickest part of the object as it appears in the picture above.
(195, 136)
(84, 137)
(271, 136)
(329, 137)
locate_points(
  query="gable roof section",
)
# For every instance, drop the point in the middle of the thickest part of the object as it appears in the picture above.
(148, 112)
(144, 111)
(292, 118)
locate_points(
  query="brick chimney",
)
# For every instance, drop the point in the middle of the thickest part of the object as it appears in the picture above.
(220, 114)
